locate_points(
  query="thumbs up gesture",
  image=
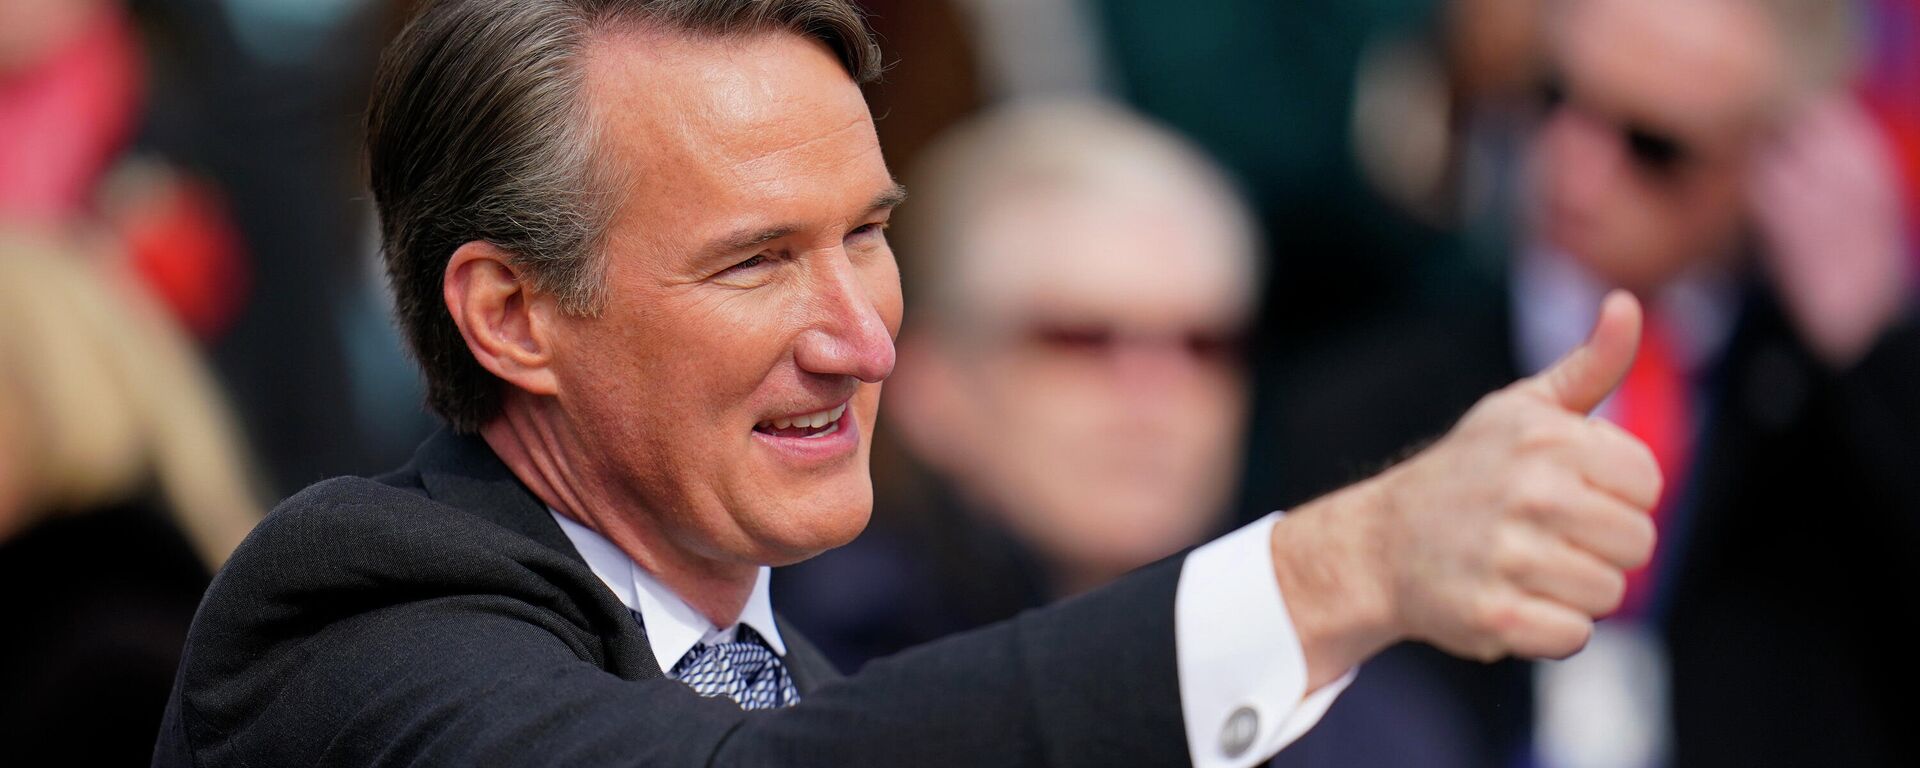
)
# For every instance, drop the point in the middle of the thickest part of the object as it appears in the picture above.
(1508, 536)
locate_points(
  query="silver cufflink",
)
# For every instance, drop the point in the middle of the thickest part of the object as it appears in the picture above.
(1238, 734)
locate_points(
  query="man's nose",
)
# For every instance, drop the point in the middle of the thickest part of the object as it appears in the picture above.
(1151, 367)
(848, 336)
(1589, 156)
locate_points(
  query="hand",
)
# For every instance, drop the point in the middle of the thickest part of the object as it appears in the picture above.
(1828, 205)
(1508, 536)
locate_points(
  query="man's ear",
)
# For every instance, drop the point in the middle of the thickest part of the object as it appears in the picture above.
(507, 325)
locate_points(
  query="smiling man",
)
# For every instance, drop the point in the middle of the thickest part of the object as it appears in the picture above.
(759, 314)
(638, 249)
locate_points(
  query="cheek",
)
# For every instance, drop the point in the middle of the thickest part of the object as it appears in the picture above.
(700, 358)
(1217, 407)
(653, 398)
(880, 275)
(866, 402)
(1716, 211)
(1554, 161)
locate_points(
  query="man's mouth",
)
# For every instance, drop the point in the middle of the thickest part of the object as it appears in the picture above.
(807, 425)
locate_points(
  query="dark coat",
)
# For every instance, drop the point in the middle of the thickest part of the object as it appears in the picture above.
(438, 616)
(96, 607)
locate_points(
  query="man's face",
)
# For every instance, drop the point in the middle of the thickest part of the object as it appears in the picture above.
(1641, 163)
(1097, 397)
(749, 285)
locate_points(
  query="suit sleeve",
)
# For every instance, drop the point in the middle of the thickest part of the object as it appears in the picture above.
(370, 638)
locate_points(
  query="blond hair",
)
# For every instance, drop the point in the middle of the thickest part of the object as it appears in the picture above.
(107, 400)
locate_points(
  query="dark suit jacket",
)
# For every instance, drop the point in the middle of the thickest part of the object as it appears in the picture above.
(438, 616)
(1789, 617)
(96, 607)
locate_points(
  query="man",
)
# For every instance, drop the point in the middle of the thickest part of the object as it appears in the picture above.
(1070, 396)
(638, 248)
(1697, 153)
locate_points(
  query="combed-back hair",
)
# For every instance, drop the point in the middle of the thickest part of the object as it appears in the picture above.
(477, 131)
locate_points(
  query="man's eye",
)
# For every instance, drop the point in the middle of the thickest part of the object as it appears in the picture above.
(757, 260)
(868, 229)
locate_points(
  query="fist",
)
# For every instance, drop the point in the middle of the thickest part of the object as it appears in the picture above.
(1513, 532)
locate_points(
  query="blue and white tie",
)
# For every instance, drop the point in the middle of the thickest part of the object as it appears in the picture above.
(745, 670)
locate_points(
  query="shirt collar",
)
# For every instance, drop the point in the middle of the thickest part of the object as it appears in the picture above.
(1555, 301)
(673, 626)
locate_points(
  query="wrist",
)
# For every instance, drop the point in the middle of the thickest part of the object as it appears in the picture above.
(1335, 577)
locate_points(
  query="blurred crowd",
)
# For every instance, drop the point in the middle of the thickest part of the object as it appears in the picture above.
(1169, 266)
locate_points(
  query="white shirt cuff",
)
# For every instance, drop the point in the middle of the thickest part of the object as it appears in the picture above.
(1243, 674)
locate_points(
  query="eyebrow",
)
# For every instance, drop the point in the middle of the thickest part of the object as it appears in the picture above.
(892, 198)
(741, 241)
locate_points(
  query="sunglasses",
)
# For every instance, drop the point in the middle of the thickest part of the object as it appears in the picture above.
(1657, 153)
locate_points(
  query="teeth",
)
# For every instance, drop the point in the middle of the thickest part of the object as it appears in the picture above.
(814, 420)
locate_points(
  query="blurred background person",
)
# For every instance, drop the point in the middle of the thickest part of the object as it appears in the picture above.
(214, 141)
(1070, 401)
(72, 95)
(122, 488)
(1712, 157)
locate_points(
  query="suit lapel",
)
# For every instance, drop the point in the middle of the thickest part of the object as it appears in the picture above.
(463, 472)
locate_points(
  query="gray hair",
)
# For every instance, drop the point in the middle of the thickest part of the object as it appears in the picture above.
(477, 132)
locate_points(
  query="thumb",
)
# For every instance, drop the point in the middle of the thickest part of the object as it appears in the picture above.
(1592, 370)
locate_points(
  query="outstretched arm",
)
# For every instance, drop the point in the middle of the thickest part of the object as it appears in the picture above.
(1507, 537)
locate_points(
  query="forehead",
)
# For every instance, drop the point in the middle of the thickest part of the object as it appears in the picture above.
(1699, 63)
(712, 133)
(1144, 256)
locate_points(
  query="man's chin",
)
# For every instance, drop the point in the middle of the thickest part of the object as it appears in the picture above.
(815, 527)
(1633, 271)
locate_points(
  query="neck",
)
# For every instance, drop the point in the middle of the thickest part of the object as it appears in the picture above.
(534, 439)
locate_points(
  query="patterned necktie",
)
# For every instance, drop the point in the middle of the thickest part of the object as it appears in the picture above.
(745, 670)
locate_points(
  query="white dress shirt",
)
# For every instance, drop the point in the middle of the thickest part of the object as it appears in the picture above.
(673, 627)
(1243, 674)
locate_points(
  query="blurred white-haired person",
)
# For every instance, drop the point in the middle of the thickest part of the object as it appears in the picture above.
(1070, 398)
(122, 488)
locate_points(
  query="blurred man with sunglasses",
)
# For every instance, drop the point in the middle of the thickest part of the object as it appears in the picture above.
(1705, 155)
